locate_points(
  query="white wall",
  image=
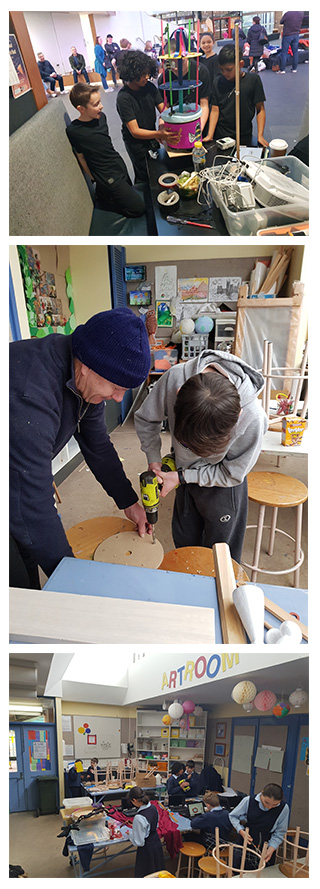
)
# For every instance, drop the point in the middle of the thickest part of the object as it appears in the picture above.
(54, 33)
(130, 24)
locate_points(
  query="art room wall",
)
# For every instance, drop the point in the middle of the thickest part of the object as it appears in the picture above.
(90, 279)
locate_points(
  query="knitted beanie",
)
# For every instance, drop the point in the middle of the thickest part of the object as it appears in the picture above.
(115, 345)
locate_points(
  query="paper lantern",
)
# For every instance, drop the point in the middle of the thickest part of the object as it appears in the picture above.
(187, 325)
(198, 710)
(298, 697)
(175, 710)
(203, 324)
(281, 709)
(243, 692)
(248, 707)
(265, 700)
(188, 706)
(183, 723)
(166, 719)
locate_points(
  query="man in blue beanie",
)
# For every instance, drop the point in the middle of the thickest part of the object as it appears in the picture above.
(58, 386)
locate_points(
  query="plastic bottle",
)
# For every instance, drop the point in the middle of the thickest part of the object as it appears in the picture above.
(198, 156)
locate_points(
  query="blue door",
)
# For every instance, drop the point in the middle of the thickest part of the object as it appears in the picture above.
(32, 755)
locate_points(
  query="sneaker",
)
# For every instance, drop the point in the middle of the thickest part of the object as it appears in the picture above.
(109, 89)
(293, 71)
(63, 92)
(280, 72)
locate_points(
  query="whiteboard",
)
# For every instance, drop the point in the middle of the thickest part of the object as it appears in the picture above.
(105, 730)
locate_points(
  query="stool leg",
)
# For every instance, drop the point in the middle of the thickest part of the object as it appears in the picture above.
(257, 547)
(179, 864)
(298, 542)
(273, 530)
(189, 866)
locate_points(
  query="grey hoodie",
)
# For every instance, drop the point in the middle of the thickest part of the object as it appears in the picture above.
(229, 467)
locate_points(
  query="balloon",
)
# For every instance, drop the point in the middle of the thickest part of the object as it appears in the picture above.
(188, 706)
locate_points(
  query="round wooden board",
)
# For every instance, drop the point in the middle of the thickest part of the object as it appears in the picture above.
(127, 548)
(197, 560)
(86, 536)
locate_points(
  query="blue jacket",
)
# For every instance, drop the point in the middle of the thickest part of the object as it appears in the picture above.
(194, 783)
(100, 57)
(45, 411)
(210, 820)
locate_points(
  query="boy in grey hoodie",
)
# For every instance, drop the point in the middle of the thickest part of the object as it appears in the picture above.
(217, 425)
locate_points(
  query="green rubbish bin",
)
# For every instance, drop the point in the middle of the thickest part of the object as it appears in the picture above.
(47, 795)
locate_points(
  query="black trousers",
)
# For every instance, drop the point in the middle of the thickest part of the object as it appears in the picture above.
(23, 570)
(137, 152)
(120, 196)
(204, 516)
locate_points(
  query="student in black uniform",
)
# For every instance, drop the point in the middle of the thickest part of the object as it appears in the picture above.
(222, 120)
(137, 103)
(177, 786)
(213, 816)
(192, 778)
(266, 815)
(209, 58)
(89, 136)
(143, 834)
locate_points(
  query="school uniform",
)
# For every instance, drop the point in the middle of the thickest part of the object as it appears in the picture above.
(75, 782)
(89, 776)
(175, 792)
(224, 97)
(265, 825)
(207, 823)
(143, 834)
(141, 106)
(194, 783)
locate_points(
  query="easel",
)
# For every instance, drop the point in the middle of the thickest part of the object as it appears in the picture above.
(289, 373)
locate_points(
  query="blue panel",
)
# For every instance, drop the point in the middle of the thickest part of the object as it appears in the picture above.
(13, 314)
(91, 578)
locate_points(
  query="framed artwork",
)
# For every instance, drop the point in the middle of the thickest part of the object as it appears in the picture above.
(220, 749)
(193, 289)
(221, 729)
(163, 314)
(175, 732)
(91, 739)
(164, 733)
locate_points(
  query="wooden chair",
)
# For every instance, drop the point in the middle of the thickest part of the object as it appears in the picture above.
(197, 560)
(192, 851)
(295, 862)
(277, 491)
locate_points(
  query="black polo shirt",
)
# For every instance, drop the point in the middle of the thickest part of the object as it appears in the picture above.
(223, 95)
(139, 105)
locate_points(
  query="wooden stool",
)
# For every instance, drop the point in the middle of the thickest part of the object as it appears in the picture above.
(86, 536)
(276, 490)
(208, 867)
(197, 560)
(192, 851)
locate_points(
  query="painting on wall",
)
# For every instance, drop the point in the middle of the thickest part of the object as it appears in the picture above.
(193, 289)
(165, 282)
(18, 78)
(163, 314)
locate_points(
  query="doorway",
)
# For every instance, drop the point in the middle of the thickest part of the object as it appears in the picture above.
(32, 755)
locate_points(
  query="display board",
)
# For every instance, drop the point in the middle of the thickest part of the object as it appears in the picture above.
(98, 736)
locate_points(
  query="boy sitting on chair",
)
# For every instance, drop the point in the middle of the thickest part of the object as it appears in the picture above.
(213, 816)
(89, 136)
(266, 815)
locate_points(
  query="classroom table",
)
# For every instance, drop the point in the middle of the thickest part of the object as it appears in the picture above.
(99, 794)
(66, 609)
(188, 208)
(271, 444)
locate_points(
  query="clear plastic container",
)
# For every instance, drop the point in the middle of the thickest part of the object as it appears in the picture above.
(248, 222)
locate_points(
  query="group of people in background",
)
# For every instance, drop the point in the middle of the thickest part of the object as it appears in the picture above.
(140, 101)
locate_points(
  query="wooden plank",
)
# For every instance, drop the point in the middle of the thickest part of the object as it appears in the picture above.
(231, 627)
(282, 615)
(42, 616)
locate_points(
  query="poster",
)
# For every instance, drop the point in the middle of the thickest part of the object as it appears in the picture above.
(165, 282)
(44, 308)
(18, 78)
(224, 289)
(193, 289)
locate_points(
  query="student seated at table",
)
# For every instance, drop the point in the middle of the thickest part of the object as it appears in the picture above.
(266, 815)
(189, 98)
(89, 136)
(192, 777)
(143, 834)
(213, 816)
(211, 780)
(90, 776)
(137, 104)
(222, 121)
(75, 779)
(177, 786)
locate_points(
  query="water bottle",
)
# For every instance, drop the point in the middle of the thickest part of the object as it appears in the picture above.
(198, 157)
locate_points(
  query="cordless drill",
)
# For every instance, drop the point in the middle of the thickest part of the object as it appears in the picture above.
(149, 488)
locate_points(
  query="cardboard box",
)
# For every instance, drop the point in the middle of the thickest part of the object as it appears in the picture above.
(142, 781)
(292, 431)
